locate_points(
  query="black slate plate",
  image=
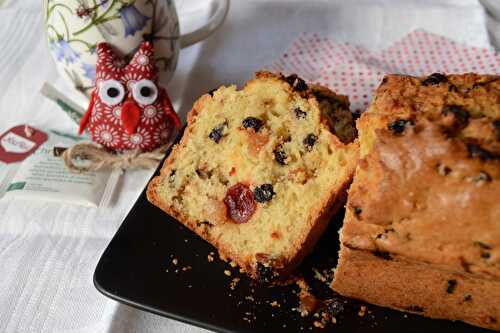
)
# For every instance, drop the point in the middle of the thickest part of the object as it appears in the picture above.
(137, 269)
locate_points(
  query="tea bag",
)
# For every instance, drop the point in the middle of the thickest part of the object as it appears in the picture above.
(43, 176)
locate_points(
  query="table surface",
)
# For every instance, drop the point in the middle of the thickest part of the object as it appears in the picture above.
(48, 251)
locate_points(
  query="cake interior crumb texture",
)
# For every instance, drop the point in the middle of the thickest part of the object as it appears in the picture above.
(422, 225)
(272, 145)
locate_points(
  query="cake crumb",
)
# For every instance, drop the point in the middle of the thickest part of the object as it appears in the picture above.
(362, 311)
(175, 261)
(275, 304)
(234, 283)
(233, 264)
(308, 302)
(319, 276)
(210, 257)
(227, 272)
(318, 324)
(250, 298)
(186, 268)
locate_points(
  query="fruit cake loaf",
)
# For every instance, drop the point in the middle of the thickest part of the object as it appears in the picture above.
(422, 226)
(258, 172)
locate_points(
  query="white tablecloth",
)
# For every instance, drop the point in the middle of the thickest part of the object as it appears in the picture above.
(48, 251)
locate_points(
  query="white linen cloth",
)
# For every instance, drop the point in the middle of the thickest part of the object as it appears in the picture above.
(48, 251)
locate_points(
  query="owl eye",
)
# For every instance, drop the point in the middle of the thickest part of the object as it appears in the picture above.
(145, 92)
(111, 92)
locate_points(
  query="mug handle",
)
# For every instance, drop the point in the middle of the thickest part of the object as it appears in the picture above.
(212, 25)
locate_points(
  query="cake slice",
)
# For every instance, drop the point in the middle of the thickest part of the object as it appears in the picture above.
(259, 172)
(422, 226)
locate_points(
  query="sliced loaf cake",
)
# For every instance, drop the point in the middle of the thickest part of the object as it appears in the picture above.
(260, 171)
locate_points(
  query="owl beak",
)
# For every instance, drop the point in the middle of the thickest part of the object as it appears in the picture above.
(130, 115)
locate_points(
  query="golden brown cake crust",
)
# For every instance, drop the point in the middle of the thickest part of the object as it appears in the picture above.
(427, 188)
(399, 94)
(314, 225)
(421, 195)
(418, 287)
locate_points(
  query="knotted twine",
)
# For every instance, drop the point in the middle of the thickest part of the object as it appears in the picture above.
(92, 157)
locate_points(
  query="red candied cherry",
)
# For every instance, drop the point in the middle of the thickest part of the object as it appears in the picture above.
(240, 203)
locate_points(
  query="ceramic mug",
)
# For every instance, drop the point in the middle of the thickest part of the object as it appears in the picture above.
(74, 27)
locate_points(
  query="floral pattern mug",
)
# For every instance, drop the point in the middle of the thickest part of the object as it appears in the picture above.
(75, 27)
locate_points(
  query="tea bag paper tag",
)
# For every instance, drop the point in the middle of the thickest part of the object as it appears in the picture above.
(20, 142)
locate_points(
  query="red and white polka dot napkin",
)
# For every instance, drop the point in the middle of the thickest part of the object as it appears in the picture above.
(355, 71)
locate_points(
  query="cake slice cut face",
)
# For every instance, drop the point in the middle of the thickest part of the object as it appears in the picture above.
(422, 225)
(259, 172)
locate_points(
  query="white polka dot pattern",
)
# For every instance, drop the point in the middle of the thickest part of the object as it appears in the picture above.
(354, 71)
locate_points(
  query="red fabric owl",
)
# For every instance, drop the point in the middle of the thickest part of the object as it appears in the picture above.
(127, 109)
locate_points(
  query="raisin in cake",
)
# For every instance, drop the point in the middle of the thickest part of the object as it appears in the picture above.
(422, 226)
(259, 172)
